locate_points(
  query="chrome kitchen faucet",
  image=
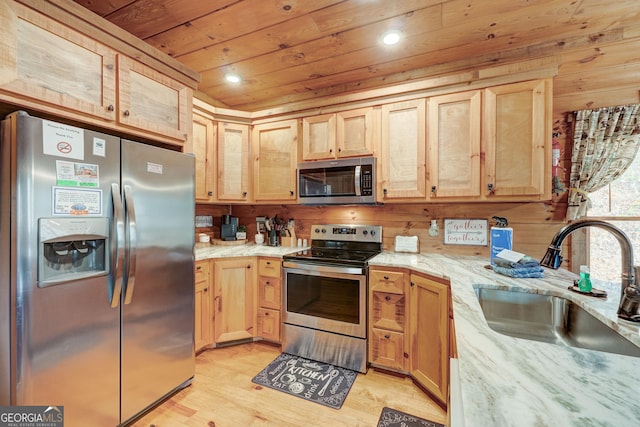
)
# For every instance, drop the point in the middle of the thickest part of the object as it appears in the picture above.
(630, 278)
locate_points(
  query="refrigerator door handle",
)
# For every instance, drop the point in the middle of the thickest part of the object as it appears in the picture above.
(118, 259)
(132, 244)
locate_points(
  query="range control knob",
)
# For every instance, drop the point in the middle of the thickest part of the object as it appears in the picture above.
(365, 232)
(317, 230)
(324, 231)
(373, 233)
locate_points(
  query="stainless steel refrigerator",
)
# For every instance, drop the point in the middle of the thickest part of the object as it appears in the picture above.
(96, 271)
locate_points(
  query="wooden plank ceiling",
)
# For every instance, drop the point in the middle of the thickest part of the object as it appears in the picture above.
(295, 50)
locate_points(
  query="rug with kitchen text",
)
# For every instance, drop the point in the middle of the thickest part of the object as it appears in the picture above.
(394, 418)
(315, 381)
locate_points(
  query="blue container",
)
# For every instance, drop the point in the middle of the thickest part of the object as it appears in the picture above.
(501, 238)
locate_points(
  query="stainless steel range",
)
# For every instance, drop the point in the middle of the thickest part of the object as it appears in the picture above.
(325, 295)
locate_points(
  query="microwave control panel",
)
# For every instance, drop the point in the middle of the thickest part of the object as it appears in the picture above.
(367, 180)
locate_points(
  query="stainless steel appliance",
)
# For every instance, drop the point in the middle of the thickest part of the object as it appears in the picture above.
(325, 295)
(343, 181)
(96, 271)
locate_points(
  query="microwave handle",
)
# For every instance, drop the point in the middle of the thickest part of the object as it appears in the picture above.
(357, 180)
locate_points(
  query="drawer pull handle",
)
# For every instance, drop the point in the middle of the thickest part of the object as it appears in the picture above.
(388, 298)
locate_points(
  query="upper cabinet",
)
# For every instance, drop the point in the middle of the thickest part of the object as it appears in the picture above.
(152, 102)
(454, 145)
(51, 67)
(203, 144)
(517, 138)
(343, 134)
(233, 162)
(402, 161)
(275, 159)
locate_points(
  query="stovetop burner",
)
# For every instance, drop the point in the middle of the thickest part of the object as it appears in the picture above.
(350, 245)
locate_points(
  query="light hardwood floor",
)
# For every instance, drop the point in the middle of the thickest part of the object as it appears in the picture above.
(222, 395)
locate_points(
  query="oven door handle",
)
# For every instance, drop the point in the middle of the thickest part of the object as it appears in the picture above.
(323, 268)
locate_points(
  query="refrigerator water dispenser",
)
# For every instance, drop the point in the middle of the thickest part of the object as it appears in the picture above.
(71, 249)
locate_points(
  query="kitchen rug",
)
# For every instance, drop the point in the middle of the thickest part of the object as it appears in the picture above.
(315, 381)
(392, 418)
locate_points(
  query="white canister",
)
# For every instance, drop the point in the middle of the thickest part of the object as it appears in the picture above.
(203, 238)
(259, 239)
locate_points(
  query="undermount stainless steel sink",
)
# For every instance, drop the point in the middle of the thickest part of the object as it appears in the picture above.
(550, 319)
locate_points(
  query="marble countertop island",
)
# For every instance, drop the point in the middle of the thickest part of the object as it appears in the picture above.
(505, 381)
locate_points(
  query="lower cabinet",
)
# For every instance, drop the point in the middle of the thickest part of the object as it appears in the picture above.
(234, 299)
(269, 298)
(429, 334)
(409, 327)
(203, 316)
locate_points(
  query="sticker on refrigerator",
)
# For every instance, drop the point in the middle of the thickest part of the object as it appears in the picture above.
(74, 174)
(99, 147)
(154, 168)
(62, 140)
(77, 201)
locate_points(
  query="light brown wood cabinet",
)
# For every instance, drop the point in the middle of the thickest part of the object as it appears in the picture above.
(234, 299)
(202, 309)
(454, 145)
(517, 141)
(274, 150)
(342, 134)
(402, 160)
(429, 334)
(269, 298)
(233, 147)
(203, 146)
(53, 68)
(387, 319)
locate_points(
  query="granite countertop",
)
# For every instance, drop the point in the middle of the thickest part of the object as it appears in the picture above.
(505, 381)
(207, 250)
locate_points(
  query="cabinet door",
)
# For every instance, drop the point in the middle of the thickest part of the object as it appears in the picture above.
(429, 334)
(233, 162)
(454, 145)
(402, 159)
(202, 315)
(204, 136)
(387, 349)
(354, 132)
(319, 137)
(517, 138)
(234, 300)
(151, 101)
(47, 63)
(275, 154)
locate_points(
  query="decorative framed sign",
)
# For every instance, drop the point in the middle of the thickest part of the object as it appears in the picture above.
(466, 232)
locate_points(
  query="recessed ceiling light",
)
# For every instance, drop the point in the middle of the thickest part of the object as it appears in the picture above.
(391, 37)
(232, 78)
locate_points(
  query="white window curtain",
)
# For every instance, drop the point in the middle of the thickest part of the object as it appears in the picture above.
(605, 142)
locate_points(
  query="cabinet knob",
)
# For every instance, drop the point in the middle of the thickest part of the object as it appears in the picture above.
(433, 188)
(339, 150)
(291, 192)
(330, 150)
(268, 283)
(266, 313)
(206, 289)
(199, 267)
(110, 107)
(244, 194)
(489, 187)
(413, 284)
(387, 337)
(386, 277)
(268, 262)
(388, 298)
(384, 191)
(209, 193)
(126, 113)
(249, 266)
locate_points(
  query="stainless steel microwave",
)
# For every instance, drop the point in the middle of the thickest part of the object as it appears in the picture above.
(337, 182)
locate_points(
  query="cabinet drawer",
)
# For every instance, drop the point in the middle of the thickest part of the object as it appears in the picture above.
(387, 349)
(388, 311)
(269, 267)
(386, 281)
(269, 292)
(202, 271)
(269, 324)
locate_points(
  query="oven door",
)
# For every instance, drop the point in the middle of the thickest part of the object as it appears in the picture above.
(326, 298)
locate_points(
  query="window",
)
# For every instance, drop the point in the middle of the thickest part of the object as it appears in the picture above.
(619, 204)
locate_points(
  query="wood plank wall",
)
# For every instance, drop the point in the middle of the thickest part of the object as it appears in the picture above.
(534, 223)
